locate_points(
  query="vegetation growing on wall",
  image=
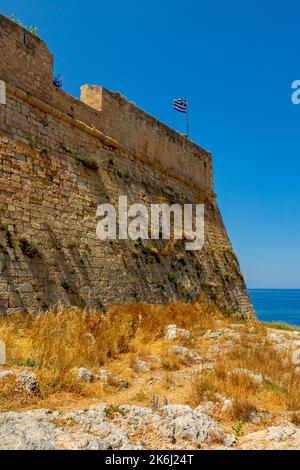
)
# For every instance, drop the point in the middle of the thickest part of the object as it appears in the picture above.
(31, 29)
(27, 247)
(87, 161)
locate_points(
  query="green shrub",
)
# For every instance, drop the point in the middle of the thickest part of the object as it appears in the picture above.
(87, 161)
(134, 293)
(138, 242)
(31, 29)
(9, 238)
(28, 248)
(67, 149)
(57, 244)
(111, 410)
(66, 284)
(281, 326)
(148, 250)
(71, 244)
(29, 362)
(238, 428)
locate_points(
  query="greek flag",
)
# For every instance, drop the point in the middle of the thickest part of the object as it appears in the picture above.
(180, 104)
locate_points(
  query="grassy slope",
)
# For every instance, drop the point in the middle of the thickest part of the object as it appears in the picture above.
(55, 343)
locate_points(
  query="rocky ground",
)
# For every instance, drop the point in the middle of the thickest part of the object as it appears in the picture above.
(130, 427)
(179, 398)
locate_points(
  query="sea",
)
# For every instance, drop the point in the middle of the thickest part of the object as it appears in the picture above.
(277, 305)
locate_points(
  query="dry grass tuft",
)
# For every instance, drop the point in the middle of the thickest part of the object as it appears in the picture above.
(292, 393)
(172, 361)
(12, 395)
(242, 409)
(295, 419)
(202, 388)
(280, 388)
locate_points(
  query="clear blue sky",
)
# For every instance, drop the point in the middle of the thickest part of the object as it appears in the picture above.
(235, 60)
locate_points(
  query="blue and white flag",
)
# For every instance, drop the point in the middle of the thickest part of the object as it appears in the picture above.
(180, 104)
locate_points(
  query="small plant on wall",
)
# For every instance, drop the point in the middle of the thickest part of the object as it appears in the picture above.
(134, 293)
(27, 247)
(66, 284)
(71, 244)
(87, 161)
(31, 29)
(58, 81)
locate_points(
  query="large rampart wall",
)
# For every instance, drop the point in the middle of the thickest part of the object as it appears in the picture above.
(48, 199)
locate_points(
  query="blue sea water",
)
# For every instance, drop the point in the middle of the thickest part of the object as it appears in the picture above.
(279, 305)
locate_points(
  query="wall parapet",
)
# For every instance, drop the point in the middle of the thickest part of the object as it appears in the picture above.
(26, 61)
(142, 132)
(96, 133)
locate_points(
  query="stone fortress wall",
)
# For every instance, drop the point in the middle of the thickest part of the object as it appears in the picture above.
(49, 251)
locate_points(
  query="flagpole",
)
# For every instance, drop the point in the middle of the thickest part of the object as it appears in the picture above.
(187, 119)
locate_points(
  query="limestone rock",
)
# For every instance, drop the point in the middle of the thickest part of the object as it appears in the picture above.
(94, 421)
(272, 438)
(177, 424)
(141, 365)
(185, 353)
(29, 381)
(274, 338)
(32, 431)
(206, 407)
(6, 373)
(85, 375)
(96, 429)
(256, 378)
(280, 348)
(181, 423)
(230, 333)
(196, 370)
(153, 358)
(20, 431)
(89, 337)
(104, 374)
(172, 332)
(109, 377)
(212, 334)
(225, 403)
(296, 357)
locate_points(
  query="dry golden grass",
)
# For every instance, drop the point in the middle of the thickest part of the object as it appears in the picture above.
(295, 419)
(279, 391)
(55, 343)
(172, 361)
(11, 393)
(242, 409)
(72, 337)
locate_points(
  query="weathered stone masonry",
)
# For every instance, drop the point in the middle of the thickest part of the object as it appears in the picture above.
(49, 252)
